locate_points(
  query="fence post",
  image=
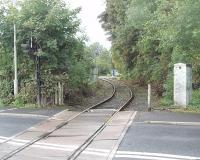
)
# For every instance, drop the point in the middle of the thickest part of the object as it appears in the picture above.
(149, 97)
(56, 94)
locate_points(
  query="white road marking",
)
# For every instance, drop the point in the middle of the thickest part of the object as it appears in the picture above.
(23, 115)
(114, 150)
(11, 109)
(20, 133)
(50, 146)
(102, 152)
(142, 157)
(154, 156)
(1, 137)
(173, 123)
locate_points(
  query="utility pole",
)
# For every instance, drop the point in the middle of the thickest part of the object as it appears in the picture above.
(15, 59)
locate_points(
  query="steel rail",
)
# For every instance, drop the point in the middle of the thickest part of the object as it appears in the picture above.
(81, 148)
(45, 135)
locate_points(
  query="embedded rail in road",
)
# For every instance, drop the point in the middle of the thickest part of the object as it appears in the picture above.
(83, 117)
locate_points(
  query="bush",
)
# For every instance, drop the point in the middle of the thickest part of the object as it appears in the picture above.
(18, 102)
(1, 103)
(195, 98)
(27, 92)
(165, 101)
(6, 97)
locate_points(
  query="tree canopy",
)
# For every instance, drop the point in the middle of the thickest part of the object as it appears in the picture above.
(149, 36)
(63, 54)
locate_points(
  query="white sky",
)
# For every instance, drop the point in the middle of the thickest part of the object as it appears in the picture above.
(90, 23)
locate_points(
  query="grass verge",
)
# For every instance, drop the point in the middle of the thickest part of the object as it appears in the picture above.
(193, 107)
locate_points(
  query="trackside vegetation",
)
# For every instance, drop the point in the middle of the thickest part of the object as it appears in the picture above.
(150, 36)
(65, 59)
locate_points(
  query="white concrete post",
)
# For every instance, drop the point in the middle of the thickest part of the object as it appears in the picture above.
(182, 84)
(149, 96)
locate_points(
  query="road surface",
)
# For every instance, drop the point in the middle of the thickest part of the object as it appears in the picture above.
(158, 136)
(14, 121)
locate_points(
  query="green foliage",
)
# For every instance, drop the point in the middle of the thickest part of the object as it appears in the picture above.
(63, 54)
(6, 96)
(195, 98)
(28, 92)
(164, 101)
(79, 75)
(150, 36)
(101, 58)
(18, 102)
(104, 62)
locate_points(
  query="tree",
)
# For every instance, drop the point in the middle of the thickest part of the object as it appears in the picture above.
(54, 27)
(101, 58)
(149, 36)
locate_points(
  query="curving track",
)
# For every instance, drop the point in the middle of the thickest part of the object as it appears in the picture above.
(78, 130)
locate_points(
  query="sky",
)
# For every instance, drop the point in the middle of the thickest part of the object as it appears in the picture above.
(90, 23)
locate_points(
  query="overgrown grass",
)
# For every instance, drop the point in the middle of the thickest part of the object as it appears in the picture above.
(18, 103)
(166, 102)
(1, 103)
(194, 105)
(195, 98)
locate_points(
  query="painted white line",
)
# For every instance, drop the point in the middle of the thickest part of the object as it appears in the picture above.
(142, 157)
(20, 141)
(22, 115)
(50, 146)
(114, 150)
(158, 155)
(11, 109)
(95, 153)
(98, 150)
(1, 141)
(40, 123)
(103, 152)
(174, 123)
(4, 138)
(66, 148)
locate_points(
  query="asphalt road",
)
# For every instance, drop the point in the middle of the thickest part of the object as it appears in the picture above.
(158, 140)
(14, 121)
(161, 140)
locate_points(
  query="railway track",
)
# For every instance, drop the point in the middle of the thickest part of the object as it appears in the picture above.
(96, 116)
